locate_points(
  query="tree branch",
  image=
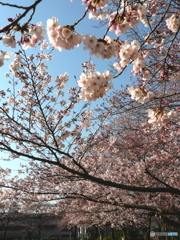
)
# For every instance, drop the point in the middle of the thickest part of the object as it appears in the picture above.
(12, 24)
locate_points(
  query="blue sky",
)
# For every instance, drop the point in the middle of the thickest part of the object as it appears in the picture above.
(66, 61)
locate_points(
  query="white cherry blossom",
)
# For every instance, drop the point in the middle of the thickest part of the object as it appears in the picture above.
(140, 94)
(173, 23)
(9, 41)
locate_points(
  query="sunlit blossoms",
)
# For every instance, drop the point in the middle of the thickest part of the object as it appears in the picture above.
(128, 17)
(44, 45)
(36, 34)
(61, 80)
(142, 9)
(23, 93)
(138, 65)
(95, 15)
(37, 31)
(146, 74)
(47, 57)
(96, 4)
(4, 56)
(62, 37)
(9, 41)
(120, 22)
(159, 116)
(11, 100)
(42, 67)
(86, 119)
(102, 48)
(173, 23)
(15, 65)
(127, 53)
(94, 85)
(140, 94)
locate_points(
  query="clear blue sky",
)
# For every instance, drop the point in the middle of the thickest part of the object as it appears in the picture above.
(66, 61)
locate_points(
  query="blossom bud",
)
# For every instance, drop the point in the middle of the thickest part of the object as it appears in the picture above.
(10, 19)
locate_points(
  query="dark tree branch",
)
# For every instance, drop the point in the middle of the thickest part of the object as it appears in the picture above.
(12, 24)
(12, 5)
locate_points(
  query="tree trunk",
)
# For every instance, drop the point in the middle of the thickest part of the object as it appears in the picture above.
(113, 234)
(149, 229)
(5, 233)
(125, 234)
(6, 228)
(39, 233)
(146, 234)
(100, 233)
(30, 235)
(74, 232)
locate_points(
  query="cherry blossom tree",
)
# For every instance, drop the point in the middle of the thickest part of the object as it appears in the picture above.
(120, 158)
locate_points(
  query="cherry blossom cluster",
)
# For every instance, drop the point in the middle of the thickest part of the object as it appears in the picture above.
(4, 56)
(127, 18)
(44, 45)
(175, 76)
(9, 41)
(102, 48)
(44, 56)
(88, 67)
(101, 14)
(146, 74)
(30, 35)
(94, 85)
(139, 66)
(127, 53)
(62, 37)
(15, 65)
(61, 80)
(36, 34)
(160, 116)
(42, 67)
(173, 23)
(141, 94)
(96, 4)
(142, 10)
(86, 122)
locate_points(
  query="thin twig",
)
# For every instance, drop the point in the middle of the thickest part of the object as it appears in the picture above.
(13, 5)
(12, 24)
